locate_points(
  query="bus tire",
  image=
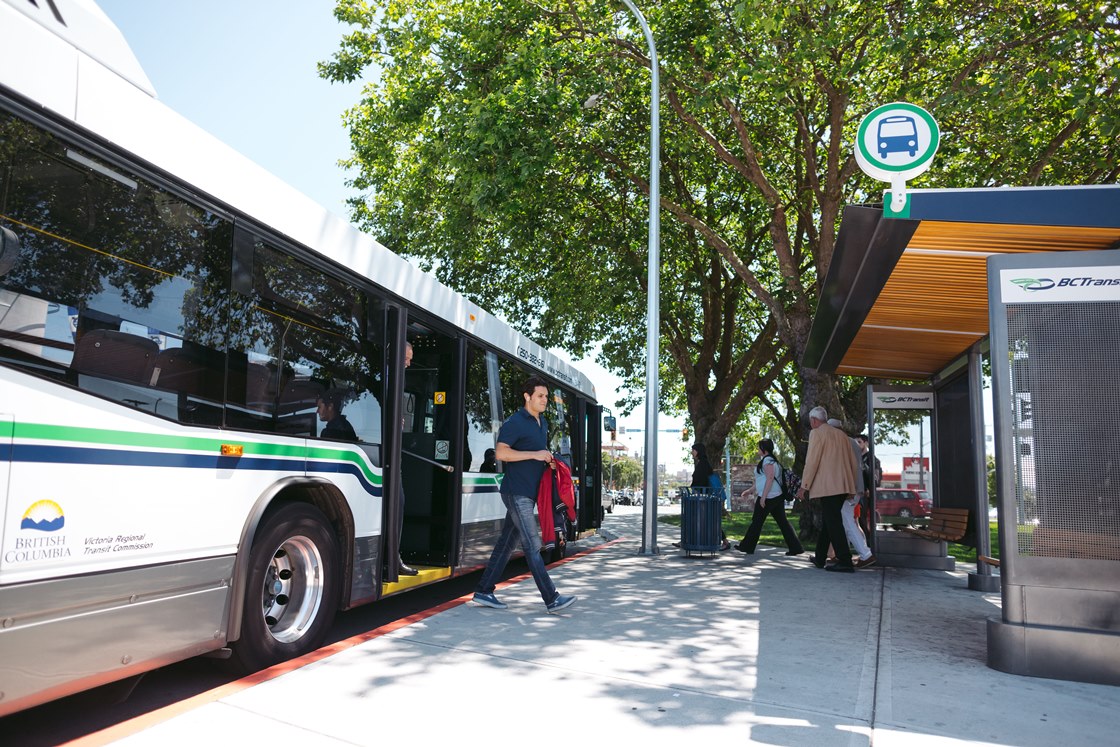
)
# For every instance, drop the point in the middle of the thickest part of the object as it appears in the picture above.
(292, 588)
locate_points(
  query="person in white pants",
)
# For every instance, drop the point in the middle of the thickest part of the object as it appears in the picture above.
(848, 511)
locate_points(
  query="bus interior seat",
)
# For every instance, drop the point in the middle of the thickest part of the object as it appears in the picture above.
(191, 370)
(296, 411)
(114, 354)
(299, 394)
(262, 384)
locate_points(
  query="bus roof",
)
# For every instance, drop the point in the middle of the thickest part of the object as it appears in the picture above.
(83, 25)
(67, 56)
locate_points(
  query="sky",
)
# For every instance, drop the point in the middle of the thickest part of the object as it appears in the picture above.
(245, 71)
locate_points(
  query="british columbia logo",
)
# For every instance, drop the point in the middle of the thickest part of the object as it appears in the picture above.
(43, 516)
(40, 516)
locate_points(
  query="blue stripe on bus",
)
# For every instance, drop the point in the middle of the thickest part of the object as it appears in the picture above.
(78, 455)
(345, 468)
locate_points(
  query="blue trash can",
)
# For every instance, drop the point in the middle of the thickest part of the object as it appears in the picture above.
(701, 520)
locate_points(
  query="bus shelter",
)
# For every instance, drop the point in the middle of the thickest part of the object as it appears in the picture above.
(1033, 275)
(897, 548)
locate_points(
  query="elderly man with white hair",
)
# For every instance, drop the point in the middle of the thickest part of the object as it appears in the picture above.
(830, 475)
(848, 509)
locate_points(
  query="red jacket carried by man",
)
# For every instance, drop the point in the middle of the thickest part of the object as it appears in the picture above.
(556, 493)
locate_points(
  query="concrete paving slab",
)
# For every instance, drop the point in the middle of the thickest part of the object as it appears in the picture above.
(761, 649)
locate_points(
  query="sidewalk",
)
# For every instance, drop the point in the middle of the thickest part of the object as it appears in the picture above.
(667, 650)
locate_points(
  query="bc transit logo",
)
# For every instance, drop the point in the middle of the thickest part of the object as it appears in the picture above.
(1034, 284)
(43, 516)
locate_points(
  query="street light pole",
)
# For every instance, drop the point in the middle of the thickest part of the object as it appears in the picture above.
(653, 311)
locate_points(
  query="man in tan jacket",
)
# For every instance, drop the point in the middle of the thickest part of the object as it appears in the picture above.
(829, 475)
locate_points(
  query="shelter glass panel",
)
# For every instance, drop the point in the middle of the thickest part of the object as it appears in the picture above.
(1066, 467)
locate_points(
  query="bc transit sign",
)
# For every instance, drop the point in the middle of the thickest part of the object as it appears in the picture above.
(1060, 285)
(902, 400)
(895, 143)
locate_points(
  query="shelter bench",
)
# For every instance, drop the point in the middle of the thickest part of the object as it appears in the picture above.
(945, 525)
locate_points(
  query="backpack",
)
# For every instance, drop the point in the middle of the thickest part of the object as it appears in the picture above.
(716, 486)
(788, 480)
(791, 483)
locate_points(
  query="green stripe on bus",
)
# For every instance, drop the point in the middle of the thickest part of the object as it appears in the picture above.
(473, 480)
(106, 437)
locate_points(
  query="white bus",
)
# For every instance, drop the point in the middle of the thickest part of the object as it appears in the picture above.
(179, 335)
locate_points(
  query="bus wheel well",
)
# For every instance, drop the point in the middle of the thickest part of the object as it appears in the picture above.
(291, 589)
(329, 500)
(323, 496)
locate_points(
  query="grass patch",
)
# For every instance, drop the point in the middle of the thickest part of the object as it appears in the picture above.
(735, 526)
(967, 554)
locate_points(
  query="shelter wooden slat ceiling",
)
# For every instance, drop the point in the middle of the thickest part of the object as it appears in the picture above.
(934, 305)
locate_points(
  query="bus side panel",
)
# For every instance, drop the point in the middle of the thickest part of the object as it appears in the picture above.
(96, 487)
(6, 428)
(483, 513)
(364, 579)
(65, 635)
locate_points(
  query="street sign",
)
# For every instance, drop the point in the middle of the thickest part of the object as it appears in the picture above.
(895, 143)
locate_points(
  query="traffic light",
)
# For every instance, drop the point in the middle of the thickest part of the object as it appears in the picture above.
(684, 434)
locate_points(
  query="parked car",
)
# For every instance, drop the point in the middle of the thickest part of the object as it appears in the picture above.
(608, 501)
(900, 502)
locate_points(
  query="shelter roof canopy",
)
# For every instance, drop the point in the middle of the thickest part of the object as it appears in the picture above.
(905, 297)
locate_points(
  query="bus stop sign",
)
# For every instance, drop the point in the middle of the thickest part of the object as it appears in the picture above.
(896, 142)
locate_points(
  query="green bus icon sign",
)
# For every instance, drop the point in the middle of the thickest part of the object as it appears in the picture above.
(896, 142)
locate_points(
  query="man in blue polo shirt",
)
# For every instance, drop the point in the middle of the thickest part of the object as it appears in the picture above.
(523, 450)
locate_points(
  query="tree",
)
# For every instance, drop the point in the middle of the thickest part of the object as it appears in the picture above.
(627, 471)
(504, 147)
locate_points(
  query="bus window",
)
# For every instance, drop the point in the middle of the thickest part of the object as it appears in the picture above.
(560, 414)
(512, 376)
(303, 335)
(481, 431)
(560, 406)
(118, 286)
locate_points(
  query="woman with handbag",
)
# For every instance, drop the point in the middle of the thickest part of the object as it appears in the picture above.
(769, 500)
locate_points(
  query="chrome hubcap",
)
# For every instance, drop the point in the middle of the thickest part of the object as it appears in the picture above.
(293, 589)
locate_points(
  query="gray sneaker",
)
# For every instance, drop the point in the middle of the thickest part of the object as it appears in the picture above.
(488, 600)
(559, 603)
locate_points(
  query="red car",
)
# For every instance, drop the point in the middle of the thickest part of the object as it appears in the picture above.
(900, 502)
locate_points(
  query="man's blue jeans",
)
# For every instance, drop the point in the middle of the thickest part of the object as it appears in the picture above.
(519, 526)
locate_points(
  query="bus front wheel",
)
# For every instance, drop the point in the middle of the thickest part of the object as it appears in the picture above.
(292, 590)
